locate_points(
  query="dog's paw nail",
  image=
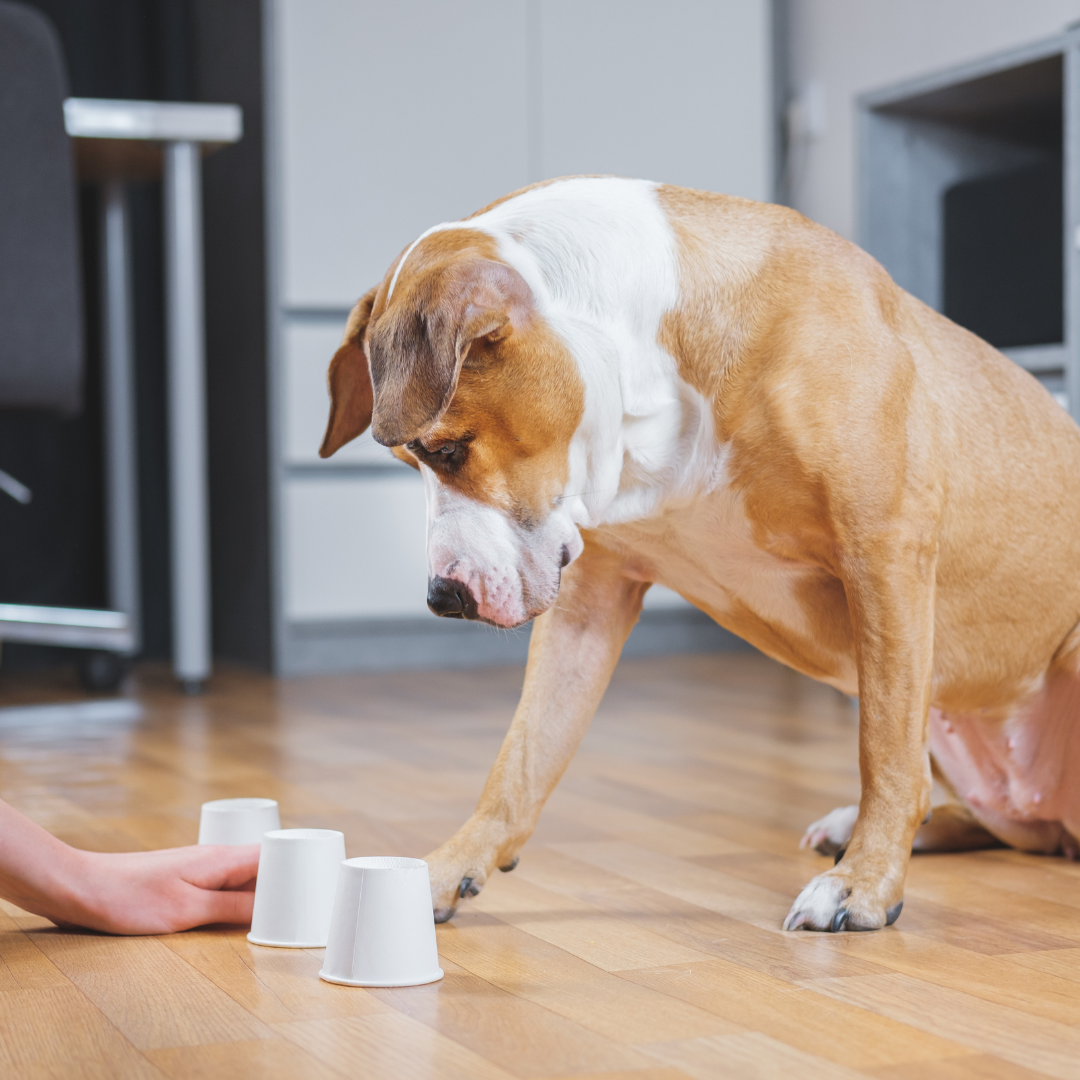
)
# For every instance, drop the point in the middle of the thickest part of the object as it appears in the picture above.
(893, 913)
(469, 888)
(839, 921)
(795, 921)
(509, 866)
(444, 914)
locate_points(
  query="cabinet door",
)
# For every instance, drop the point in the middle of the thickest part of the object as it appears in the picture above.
(677, 91)
(391, 117)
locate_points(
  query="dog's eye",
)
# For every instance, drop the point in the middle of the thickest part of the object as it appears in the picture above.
(446, 455)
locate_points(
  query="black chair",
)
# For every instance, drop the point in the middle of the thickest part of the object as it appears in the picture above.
(41, 317)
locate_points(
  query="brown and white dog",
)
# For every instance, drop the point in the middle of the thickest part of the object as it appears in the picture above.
(607, 383)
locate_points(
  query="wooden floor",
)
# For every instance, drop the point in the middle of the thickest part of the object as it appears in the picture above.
(638, 938)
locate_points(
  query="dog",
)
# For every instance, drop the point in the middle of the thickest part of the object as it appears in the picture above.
(607, 383)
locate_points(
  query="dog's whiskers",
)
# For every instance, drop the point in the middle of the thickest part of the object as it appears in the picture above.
(579, 494)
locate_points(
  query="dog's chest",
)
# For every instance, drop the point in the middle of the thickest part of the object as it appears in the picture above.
(706, 552)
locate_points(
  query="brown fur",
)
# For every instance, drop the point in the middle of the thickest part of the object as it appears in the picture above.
(923, 484)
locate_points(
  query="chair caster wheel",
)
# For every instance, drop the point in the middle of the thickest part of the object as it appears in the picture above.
(102, 672)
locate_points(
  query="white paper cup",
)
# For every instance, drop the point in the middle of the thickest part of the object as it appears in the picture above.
(237, 821)
(383, 929)
(294, 892)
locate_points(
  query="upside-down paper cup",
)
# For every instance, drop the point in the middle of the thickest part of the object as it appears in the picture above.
(237, 821)
(383, 929)
(294, 892)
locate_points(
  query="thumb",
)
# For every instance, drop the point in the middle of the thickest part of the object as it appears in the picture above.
(218, 906)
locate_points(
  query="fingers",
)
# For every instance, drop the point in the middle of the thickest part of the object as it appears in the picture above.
(210, 906)
(214, 866)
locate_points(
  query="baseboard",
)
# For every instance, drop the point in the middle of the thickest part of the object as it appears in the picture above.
(335, 646)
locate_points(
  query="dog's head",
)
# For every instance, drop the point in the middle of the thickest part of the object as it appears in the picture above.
(453, 367)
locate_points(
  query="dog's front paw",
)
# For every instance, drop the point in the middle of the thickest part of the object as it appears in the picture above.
(460, 868)
(838, 900)
(832, 832)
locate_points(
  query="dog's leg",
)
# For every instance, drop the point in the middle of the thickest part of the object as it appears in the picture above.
(574, 649)
(951, 827)
(891, 598)
(831, 833)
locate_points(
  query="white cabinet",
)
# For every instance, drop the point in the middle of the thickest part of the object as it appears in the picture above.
(387, 118)
(393, 117)
(677, 92)
(353, 547)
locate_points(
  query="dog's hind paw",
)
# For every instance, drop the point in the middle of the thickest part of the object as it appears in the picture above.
(832, 832)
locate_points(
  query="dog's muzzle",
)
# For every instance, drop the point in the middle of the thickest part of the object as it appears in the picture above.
(450, 599)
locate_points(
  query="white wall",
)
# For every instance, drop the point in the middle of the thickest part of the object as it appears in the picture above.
(675, 91)
(853, 46)
(355, 546)
(392, 117)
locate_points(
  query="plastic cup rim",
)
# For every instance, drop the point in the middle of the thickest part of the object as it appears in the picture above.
(230, 806)
(286, 944)
(385, 862)
(303, 834)
(342, 981)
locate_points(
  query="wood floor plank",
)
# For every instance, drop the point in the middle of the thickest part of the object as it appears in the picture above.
(258, 1059)
(755, 833)
(1064, 963)
(973, 1067)
(275, 985)
(749, 1056)
(583, 931)
(521, 1036)
(797, 1017)
(992, 978)
(929, 881)
(389, 1045)
(56, 1034)
(147, 991)
(788, 956)
(23, 966)
(1031, 1041)
(990, 930)
(709, 889)
(646, 831)
(1048, 877)
(533, 969)
(635, 1074)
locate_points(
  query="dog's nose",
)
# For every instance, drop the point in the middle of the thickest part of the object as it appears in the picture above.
(450, 599)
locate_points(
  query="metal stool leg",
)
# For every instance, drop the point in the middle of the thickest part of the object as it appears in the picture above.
(121, 448)
(187, 415)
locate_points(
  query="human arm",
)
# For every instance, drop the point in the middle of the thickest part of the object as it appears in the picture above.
(140, 892)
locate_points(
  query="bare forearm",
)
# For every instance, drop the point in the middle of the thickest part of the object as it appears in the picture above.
(38, 872)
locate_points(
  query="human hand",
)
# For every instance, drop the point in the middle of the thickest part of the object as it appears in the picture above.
(160, 892)
(138, 892)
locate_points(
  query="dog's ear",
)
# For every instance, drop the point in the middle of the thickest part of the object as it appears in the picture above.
(349, 379)
(419, 344)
